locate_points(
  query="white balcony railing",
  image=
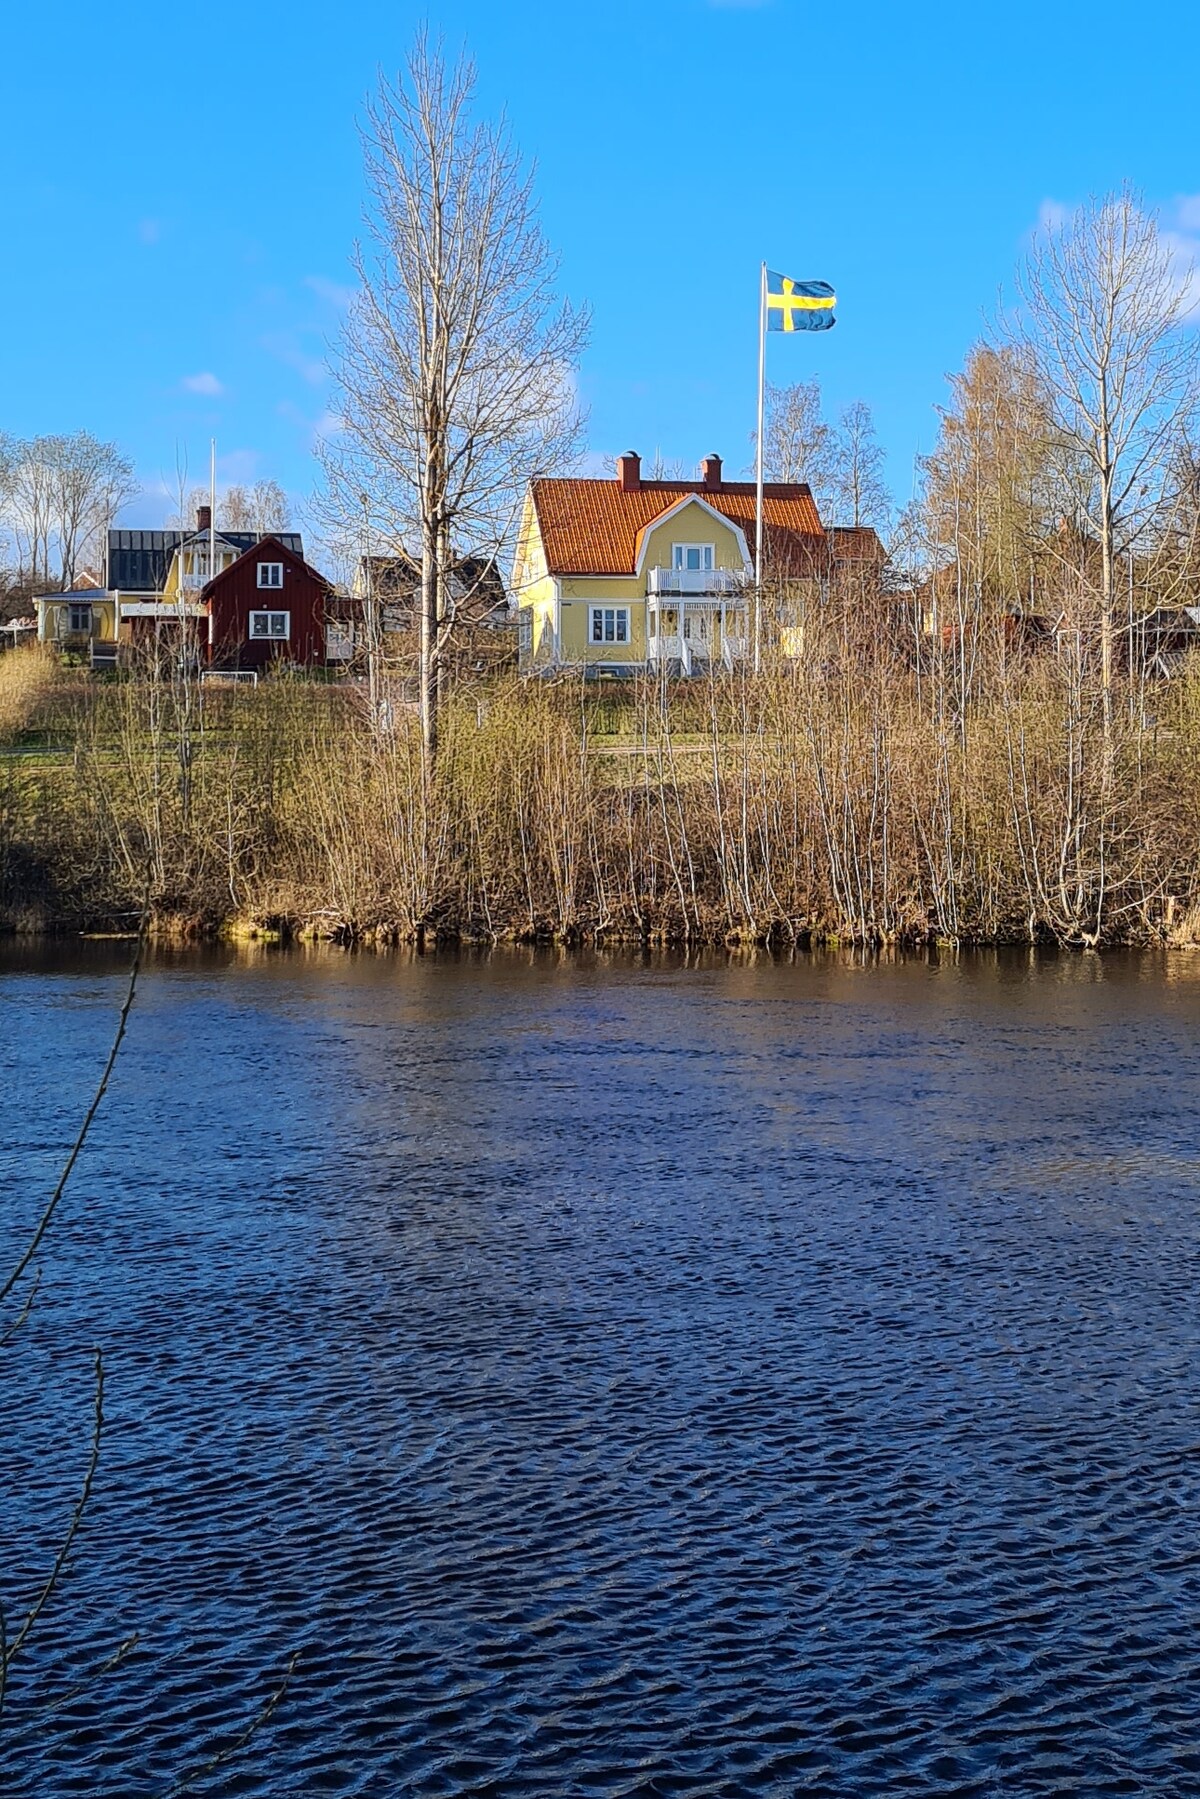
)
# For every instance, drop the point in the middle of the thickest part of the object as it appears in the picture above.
(161, 609)
(695, 655)
(695, 580)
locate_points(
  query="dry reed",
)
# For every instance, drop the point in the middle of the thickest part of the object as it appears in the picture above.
(838, 797)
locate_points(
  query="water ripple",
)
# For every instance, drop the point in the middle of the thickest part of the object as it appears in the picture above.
(615, 1381)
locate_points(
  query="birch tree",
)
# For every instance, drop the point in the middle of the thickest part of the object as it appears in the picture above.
(61, 492)
(798, 444)
(860, 491)
(29, 508)
(262, 508)
(455, 368)
(8, 456)
(89, 483)
(1102, 306)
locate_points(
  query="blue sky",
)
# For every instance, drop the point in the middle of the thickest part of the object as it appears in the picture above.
(181, 186)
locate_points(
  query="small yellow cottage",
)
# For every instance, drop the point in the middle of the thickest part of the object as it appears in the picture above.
(631, 573)
(82, 620)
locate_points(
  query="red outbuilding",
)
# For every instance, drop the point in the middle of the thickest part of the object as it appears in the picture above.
(268, 606)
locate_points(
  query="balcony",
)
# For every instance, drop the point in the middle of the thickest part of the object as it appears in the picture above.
(682, 581)
(161, 609)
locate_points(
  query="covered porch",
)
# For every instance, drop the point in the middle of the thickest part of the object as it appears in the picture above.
(699, 633)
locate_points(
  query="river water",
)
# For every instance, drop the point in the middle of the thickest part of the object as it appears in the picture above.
(612, 1377)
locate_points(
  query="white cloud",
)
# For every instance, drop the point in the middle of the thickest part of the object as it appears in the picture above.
(204, 383)
(329, 424)
(334, 293)
(1052, 215)
(598, 463)
(1178, 236)
(1184, 251)
(314, 430)
(285, 347)
(237, 467)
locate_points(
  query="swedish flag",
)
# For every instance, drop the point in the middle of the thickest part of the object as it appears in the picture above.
(799, 305)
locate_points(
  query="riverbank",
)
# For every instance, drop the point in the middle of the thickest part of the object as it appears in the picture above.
(835, 803)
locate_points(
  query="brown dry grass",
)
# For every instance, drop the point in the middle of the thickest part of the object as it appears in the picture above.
(27, 678)
(846, 799)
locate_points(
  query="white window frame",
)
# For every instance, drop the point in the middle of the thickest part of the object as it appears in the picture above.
(270, 574)
(614, 623)
(706, 558)
(268, 635)
(82, 609)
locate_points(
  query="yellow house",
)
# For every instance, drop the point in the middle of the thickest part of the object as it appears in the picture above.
(157, 577)
(84, 619)
(632, 573)
(155, 580)
(191, 562)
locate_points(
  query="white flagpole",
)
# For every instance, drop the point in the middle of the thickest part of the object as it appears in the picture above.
(212, 524)
(758, 501)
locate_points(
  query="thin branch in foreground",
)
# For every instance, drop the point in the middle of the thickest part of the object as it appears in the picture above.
(39, 1605)
(125, 1647)
(113, 1660)
(43, 1223)
(209, 1767)
(7, 1336)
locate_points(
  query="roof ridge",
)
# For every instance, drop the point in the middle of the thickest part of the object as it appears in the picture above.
(697, 487)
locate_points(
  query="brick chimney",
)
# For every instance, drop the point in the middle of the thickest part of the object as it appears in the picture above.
(710, 472)
(203, 518)
(629, 472)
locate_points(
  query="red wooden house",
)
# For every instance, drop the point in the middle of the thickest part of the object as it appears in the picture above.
(268, 606)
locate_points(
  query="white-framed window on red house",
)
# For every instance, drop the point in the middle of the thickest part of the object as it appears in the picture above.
(270, 627)
(270, 574)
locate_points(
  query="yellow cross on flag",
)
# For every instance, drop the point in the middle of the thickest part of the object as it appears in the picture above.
(799, 305)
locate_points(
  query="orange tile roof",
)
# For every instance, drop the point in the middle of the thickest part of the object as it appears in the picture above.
(592, 527)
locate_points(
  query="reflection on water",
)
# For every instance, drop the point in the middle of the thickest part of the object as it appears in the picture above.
(615, 1376)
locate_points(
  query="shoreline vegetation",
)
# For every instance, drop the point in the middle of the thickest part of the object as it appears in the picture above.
(990, 736)
(837, 798)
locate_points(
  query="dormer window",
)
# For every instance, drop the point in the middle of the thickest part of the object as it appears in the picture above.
(693, 557)
(270, 574)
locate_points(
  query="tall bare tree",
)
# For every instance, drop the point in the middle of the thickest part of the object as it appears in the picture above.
(861, 495)
(798, 444)
(995, 487)
(29, 509)
(61, 492)
(263, 508)
(8, 458)
(455, 373)
(9, 563)
(1101, 306)
(89, 483)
